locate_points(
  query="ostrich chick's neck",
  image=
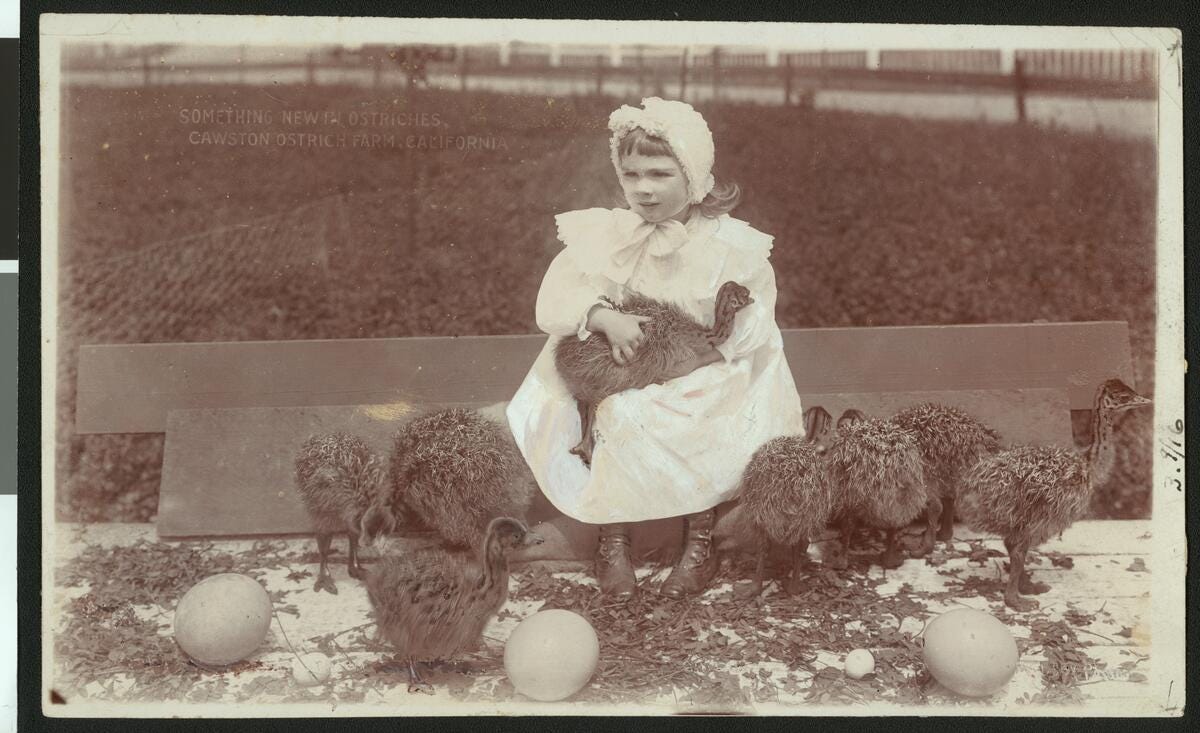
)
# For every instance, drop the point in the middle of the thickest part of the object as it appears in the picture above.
(723, 324)
(1099, 455)
(494, 561)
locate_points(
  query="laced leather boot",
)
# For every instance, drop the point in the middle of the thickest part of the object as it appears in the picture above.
(614, 570)
(698, 565)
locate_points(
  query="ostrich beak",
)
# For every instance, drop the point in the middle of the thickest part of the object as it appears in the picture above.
(532, 538)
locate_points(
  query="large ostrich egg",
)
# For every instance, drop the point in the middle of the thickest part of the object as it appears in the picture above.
(970, 652)
(222, 619)
(551, 655)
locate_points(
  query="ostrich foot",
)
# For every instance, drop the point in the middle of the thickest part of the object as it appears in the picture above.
(794, 585)
(747, 588)
(584, 452)
(356, 572)
(325, 582)
(891, 558)
(1029, 587)
(927, 543)
(798, 572)
(415, 683)
(1019, 604)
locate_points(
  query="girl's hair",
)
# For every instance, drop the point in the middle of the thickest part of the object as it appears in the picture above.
(720, 200)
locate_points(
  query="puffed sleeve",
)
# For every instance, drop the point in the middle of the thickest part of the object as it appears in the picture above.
(572, 285)
(755, 324)
(566, 297)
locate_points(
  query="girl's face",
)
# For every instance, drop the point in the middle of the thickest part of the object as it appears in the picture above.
(655, 187)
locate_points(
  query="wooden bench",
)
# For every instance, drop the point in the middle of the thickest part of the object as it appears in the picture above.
(234, 413)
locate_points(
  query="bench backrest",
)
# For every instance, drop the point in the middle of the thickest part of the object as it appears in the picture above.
(131, 388)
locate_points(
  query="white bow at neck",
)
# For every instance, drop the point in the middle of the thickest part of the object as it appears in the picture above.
(637, 238)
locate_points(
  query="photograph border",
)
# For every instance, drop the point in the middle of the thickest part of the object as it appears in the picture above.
(1170, 547)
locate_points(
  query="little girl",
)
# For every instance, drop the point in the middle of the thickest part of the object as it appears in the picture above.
(676, 448)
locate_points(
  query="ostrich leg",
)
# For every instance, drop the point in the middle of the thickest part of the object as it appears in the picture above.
(842, 560)
(934, 511)
(743, 590)
(893, 556)
(352, 566)
(760, 569)
(946, 530)
(799, 561)
(324, 579)
(415, 683)
(1016, 570)
(587, 415)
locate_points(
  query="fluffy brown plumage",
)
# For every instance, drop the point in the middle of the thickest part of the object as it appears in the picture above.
(1028, 494)
(785, 496)
(951, 442)
(434, 603)
(875, 468)
(457, 470)
(342, 484)
(671, 337)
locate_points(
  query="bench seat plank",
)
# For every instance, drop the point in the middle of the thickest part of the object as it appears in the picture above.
(229, 472)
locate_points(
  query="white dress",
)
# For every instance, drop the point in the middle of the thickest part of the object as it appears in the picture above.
(667, 449)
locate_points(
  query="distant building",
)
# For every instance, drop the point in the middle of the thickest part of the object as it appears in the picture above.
(531, 54)
(484, 55)
(825, 59)
(1123, 65)
(965, 61)
(588, 56)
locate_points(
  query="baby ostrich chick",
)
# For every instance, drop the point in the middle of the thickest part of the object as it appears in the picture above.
(341, 482)
(672, 336)
(951, 443)
(457, 470)
(785, 496)
(434, 603)
(875, 468)
(1029, 493)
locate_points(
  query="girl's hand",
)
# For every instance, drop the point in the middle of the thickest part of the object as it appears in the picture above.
(623, 330)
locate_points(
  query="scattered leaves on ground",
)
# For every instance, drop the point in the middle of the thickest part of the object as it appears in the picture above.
(718, 654)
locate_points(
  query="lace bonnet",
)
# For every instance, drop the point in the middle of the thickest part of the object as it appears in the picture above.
(682, 127)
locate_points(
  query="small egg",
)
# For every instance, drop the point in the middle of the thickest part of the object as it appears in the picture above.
(859, 664)
(311, 669)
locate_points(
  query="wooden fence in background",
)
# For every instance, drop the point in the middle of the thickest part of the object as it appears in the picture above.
(787, 76)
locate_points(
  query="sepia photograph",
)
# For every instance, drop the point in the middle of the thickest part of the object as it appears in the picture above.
(400, 367)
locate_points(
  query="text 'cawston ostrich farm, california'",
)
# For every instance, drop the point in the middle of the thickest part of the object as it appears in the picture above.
(328, 129)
